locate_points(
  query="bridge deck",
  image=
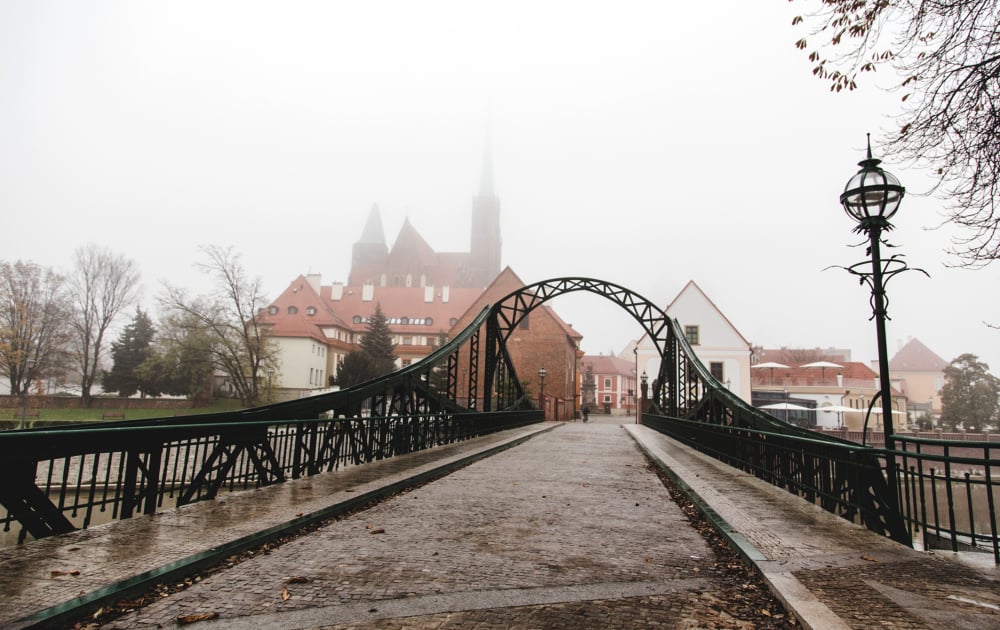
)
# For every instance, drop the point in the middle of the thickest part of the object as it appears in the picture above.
(569, 529)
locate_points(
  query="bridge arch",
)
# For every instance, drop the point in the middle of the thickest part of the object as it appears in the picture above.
(682, 379)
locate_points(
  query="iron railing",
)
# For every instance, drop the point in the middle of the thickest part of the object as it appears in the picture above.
(54, 481)
(842, 478)
(950, 490)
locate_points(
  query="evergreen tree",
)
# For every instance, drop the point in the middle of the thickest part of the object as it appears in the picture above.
(131, 349)
(971, 395)
(377, 343)
(357, 367)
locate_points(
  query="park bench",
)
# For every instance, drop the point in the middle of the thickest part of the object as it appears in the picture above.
(113, 415)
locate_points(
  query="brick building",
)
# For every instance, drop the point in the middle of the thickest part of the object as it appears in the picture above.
(542, 339)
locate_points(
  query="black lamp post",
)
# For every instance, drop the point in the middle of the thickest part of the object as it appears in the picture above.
(871, 198)
(541, 395)
(26, 387)
(644, 380)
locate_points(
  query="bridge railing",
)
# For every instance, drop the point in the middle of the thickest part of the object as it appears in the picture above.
(833, 475)
(54, 481)
(950, 492)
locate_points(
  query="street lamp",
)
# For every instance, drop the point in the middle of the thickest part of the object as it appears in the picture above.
(25, 387)
(871, 197)
(784, 391)
(541, 395)
(644, 380)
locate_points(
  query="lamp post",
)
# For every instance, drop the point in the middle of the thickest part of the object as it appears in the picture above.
(270, 375)
(541, 394)
(871, 197)
(644, 380)
(784, 391)
(25, 390)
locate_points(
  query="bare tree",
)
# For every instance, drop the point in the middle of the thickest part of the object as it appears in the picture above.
(947, 57)
(34, 323)
(239, 347)
(102, 285)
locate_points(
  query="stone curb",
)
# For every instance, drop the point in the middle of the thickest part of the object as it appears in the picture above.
(798, 600)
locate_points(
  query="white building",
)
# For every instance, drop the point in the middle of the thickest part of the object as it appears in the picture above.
(714, 339)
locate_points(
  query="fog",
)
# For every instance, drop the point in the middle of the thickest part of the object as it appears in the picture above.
(642, 143)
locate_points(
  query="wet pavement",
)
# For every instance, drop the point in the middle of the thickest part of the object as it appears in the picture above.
(568, 529)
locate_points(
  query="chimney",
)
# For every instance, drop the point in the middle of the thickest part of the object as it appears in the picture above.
(444, 294)
(840, 379)
(367, 292)
(337, 292)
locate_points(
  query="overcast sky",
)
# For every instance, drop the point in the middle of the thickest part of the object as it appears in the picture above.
(643, 143)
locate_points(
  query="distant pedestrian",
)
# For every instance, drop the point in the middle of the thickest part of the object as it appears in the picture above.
(586, 413)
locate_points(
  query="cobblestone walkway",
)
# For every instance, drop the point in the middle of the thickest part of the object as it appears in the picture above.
(568, 530)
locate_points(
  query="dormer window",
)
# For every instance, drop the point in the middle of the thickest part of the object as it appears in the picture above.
(293, 310)
(273, 310)
(311, 311)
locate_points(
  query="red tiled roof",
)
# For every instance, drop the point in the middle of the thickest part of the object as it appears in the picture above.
(606, 364)
(303, 299)
(916, 357)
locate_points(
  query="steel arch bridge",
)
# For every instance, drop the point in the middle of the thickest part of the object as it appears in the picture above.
(427, 403)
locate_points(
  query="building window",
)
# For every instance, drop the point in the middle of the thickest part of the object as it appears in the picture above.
(607, 398)
(407, 341)
(356, 319)
(715, 367)
(293, 310)
(691, 333)
(607, 382)
(311, 311)
(273, 310)
(453, 321)
(407, 362)
(428, 321)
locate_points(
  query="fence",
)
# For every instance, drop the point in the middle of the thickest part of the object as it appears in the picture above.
(58, 480)
(946, 498)
(950, 492)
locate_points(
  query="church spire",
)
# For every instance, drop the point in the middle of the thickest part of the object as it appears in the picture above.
(486, 188)
(373, 232)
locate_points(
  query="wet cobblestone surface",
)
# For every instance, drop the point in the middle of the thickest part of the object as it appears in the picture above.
(571, 529)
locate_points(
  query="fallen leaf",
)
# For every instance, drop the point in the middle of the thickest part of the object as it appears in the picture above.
(869, 558)
(297, 580)
(62, 573)
(196, 617)
(299, 513)
(765, 612)
(285, 595)
(378, 531)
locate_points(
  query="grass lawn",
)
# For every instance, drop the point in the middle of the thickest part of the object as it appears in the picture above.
(48, 414)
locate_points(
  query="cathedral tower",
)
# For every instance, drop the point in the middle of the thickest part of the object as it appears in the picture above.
(485, 244)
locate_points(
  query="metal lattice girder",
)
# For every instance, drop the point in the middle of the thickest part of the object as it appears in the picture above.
(27, 503)
(225, 456)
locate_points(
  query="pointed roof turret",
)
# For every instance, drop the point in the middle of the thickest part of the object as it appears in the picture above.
(486, 188)
(373, 232)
